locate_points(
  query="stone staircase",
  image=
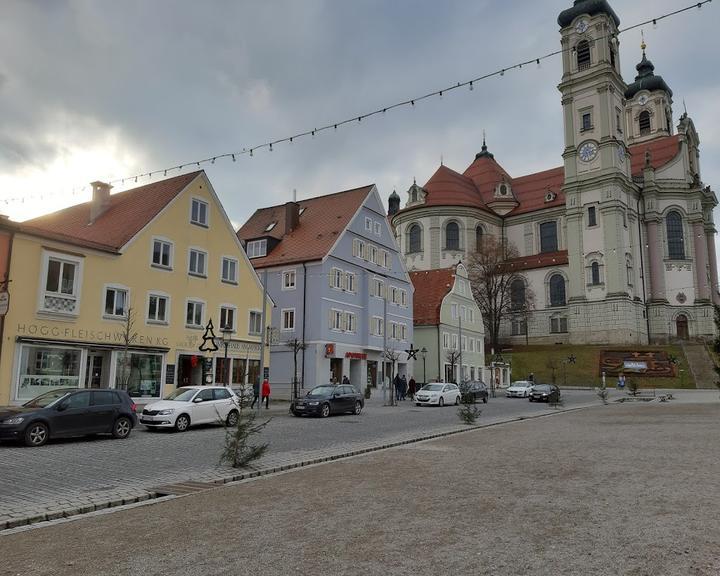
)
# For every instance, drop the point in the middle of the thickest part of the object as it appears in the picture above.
(701, 365)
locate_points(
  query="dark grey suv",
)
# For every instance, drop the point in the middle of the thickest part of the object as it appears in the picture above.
(67, 412)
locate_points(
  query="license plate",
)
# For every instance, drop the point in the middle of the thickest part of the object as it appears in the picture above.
(299, 407)
(145, 421)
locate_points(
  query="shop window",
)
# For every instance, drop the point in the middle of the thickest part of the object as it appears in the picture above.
(43, 369)
(139, 374)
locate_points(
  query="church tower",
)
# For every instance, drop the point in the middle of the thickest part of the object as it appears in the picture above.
(601, 200)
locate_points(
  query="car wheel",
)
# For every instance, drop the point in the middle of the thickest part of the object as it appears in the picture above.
(358, 408)
(232, 418)
(325, 410)
(441, 402)
(36, 434)
(530, 399)
(182, 423)
(295, 412)
(457, 400)
(122, 427)
(485, 400)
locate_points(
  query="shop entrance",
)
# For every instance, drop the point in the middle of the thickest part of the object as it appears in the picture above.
(94, 373)
(336, 365)
(372, 373)
(189, 370)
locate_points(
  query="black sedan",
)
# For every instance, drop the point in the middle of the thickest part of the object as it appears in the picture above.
(329, 399)
(69, 412)
(474, 391)
(545, 393)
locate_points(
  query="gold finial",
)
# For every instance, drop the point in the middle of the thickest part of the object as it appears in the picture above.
(643, 45)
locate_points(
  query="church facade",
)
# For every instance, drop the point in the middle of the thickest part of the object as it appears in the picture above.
(616, 246)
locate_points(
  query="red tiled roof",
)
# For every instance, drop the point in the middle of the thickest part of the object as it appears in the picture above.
(127, 213)
(321, 223)
(661, 151)
(546, 260)
(431, 286)
(476, 186)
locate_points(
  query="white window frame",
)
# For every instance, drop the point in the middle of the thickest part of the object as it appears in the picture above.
(377, 228)
(471, 344)
(171, 253)
(165, 321)
(351, 282)
(454, 340)
(197, 250)
(377, 326)
(378, 287)
(350, 322)
(336, 278)
(200, 202)
(336, 320)
(287, 313)
(257, 314)
(403, 298)
(77, 283)
(288, 275)
(446, 340)
(368, 223)
(195, 301)
(233, 325)
(116, 288)
(463, 344)
(234, 261)
(454, 311)
(403, 332)
(256, 248)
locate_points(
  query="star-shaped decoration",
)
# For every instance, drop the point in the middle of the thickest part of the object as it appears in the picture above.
(571, 359)
(412, 353)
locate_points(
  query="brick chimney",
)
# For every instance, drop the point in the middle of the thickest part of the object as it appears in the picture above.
(100, 199)
(292, 216)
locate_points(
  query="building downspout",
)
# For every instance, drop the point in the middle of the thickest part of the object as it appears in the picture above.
(642, 268)
(303, 323)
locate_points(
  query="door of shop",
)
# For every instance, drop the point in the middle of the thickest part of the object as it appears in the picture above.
(189, 370)
(336, 367)
(94, 370)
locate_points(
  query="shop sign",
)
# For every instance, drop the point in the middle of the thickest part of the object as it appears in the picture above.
(4, 303)
(356, 355)
(169, 373)
(329, 350)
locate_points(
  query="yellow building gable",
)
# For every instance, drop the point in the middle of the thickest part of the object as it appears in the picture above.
(67, 324)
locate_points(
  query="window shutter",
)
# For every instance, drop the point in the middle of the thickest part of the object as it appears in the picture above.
(331, 278)
(344, 281)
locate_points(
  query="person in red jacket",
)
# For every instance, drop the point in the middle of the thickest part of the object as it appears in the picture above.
(265, 392)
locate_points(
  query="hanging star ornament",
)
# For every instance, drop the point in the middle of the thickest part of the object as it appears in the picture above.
(412, 353)
(208, 344)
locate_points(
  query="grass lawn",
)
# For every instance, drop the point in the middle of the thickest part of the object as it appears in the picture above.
(584, 372)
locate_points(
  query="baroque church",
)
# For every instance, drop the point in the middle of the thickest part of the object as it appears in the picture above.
(617, 246)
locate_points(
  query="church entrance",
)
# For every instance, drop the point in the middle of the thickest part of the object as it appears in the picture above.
(681, 324)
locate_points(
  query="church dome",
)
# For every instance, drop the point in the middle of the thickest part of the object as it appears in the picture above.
(646, 80)
(590, 7)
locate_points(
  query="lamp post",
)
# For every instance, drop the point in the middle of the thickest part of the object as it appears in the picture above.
(226, 337)
(424, 354)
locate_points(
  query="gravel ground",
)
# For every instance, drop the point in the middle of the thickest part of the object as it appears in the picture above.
(622, 489)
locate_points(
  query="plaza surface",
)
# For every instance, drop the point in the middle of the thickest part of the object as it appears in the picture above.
(624, 489)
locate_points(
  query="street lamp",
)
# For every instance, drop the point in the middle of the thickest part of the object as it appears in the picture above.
(424, 354)
(226, 337)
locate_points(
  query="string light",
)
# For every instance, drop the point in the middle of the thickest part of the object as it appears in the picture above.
(411, 102)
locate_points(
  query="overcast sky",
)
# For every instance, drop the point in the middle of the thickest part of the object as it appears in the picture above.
(105, 89)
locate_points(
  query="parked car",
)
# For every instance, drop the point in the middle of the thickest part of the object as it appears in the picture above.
(191, 405)
(519, 389)
(437, 394)
(474, 390)
(66, 412)
(329, 399)
(545, 393)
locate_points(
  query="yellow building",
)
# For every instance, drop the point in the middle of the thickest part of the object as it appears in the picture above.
(117, 292)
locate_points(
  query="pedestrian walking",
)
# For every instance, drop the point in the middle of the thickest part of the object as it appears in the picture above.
(256, 394)
(265, 394)
(346, 380)
(621, 381)
(412, 387)
(396, 384)
(403, 387)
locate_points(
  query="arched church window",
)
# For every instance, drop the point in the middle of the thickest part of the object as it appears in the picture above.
(595, 273)
(644, 122)
(478, 238)
(675, 239)
(517, 294)
(414, 239)
(413, 196)
(452, 236)
(583, 55)
(611, 49)
(557, 290)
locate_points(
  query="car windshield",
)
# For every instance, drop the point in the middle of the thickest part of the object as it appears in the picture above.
(322, 391)
(46, 399)
(182, 395)
(520, 384)
(432, 387)
(542, 388)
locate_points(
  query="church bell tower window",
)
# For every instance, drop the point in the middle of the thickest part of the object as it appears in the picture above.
(583, 55)
(644, 122)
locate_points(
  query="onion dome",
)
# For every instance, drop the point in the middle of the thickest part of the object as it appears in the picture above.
(646, 79)
(590, 7)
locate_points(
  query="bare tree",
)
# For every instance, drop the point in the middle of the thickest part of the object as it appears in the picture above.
(129, 336)
(491, 271)
(453, 357)
(392, 356)
(296, 346)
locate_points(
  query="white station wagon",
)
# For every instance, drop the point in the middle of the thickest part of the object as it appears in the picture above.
(192, 405)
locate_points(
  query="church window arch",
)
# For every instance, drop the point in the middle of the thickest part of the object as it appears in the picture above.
(549, 236)
(478, 238)
(582, 51)
(675, 235)
(557, 290)
(452, 236)
(414, 235)
(595, 273)
(517, 294)
(644, 123)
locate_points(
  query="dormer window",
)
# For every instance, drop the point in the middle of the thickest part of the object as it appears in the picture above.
(270, 226)
(583, 55)
(257, 248)
(503, 190)
(644, 123)
(199, 212)
(413, 196)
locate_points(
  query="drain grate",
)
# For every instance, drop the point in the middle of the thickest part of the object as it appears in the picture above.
(182, 488)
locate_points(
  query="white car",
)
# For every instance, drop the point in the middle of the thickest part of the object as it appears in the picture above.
(192, 405)
(519, 389)
(437, 395)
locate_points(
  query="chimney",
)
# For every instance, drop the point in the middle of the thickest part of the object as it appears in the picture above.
(292, 216)
(100, 199)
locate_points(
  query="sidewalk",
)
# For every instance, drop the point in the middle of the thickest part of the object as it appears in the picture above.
(551, 495)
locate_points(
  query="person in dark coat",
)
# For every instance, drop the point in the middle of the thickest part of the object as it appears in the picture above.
(397, 384)
(412, 388)
(256, 393)
(403, 387)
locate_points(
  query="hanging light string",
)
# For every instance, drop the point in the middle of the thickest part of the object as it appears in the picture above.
(271, 145)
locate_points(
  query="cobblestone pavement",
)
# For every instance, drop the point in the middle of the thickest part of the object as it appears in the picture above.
(76, 476)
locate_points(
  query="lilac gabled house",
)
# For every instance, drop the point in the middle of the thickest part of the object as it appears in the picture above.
(338, 283)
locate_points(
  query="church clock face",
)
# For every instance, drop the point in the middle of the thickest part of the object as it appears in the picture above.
(581, 27)
(588, 151)
(643, 100)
